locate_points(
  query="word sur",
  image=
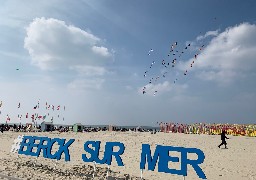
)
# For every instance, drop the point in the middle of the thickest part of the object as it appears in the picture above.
(108, 153)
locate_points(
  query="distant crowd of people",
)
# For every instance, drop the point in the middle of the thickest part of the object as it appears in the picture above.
(16, 128)
(210, 129)
(197, 128)
(31, 128)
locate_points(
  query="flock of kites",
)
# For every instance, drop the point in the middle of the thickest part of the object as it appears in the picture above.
(174, 55)
(38, 113)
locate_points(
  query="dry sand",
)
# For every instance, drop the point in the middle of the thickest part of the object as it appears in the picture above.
(238, 162)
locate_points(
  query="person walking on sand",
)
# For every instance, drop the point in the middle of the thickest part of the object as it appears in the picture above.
(223, 139)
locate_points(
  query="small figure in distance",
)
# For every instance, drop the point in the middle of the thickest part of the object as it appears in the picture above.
(223, 139)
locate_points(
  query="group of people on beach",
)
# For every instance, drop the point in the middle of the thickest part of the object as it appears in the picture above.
(210, 129)
(191, 129)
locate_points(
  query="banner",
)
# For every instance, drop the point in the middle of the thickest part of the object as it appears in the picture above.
(27, 145)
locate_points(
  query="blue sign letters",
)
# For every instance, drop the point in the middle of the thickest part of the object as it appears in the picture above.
(29, 143)
(107, 159)
(162, 153)
(33, 145)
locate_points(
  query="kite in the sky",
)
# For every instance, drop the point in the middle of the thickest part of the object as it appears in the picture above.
(149, 52)
(155, 93)
(144, 90)
(145, 74)
(195, 56)
(164, 74)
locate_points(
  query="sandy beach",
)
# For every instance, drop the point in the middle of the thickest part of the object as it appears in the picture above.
(237, 162)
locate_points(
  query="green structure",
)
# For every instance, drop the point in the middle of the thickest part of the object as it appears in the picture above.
(78, 127)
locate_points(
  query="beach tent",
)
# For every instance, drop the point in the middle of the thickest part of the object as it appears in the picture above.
(47, 126)
(112, 128)
(78, 127)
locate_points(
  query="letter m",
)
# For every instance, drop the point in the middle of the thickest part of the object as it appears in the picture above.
(146, 157)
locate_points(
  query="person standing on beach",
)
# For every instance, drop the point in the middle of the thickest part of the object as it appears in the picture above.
(2, 128)
(223, 139)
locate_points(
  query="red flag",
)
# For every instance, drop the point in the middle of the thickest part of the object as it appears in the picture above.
(8, 118)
